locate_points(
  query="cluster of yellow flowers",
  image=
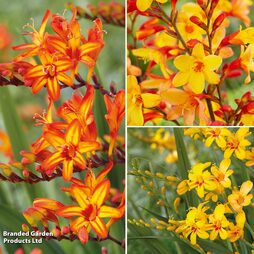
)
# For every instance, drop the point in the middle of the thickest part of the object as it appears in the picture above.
(214, 197)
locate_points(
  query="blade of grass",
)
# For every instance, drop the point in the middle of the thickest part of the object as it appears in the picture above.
(184, 164)
(14, 129)
(100, 109)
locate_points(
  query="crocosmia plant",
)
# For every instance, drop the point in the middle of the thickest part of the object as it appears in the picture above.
(72, 171)
(197, 192)
(190, 62)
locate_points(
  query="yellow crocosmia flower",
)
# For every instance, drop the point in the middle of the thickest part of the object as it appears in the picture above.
(165, 40)
(218, 223)
(236, 232)
(246, 61)
(250, 158)
(215, 134)
(137, 100)
(240, 198)
(221, 175)
(143, 5)
(195, 224)
(148, 54)
(245, 36)
(247, 120)
(182, 187)
(237, 8)
(186, 27)
(200, 179)
(236, 144)
(196, 69)
(193, 133)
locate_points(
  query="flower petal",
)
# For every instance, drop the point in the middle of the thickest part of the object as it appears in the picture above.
(100, 193)
(73, 133)
(99, 227)
(69, 211)
(53, 88)
(150, 100)
(109, 212)
(80, 197)
(67, 169)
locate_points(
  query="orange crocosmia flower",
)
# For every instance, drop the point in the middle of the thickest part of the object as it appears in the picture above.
(246, 61)
(80, 107)
(39, 215)
(143, 5)
(71, 43)
(68, 148)
(196, 69)
(90, 211)
(137, 100)
(115, 115)
(237, 8)
(50, 73)
(5, 145)
(240, 198)
(121, 208)
(185, 103)
(132, 69)
(91, 181)
(39, 44)
(6, 37)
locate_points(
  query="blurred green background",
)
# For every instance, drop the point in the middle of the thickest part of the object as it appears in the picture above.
(14, 198)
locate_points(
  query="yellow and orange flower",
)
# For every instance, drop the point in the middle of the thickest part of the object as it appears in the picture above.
(50, 73)
(39, 44)
(218, 223)
(90, 212)
(69, 149)
(143, 5)
(137, 100)
(114, 117)
(196, 69)
(240, 198)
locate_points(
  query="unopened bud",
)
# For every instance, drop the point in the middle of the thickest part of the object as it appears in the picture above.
(160, 175)
(56, 232)
(196, 20)
(218, 21)
(163, 190)
(25, 173)
(202, 3)
(104, 250)
(25, 228)
(65, 230)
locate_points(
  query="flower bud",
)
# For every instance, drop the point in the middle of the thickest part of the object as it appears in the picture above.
(25, 227)
(196, 20)
(219, 20)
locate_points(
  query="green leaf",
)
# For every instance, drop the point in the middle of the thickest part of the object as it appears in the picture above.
(184, 164)
(12, 123)
(159, 217)
(15, 131)
(100, 108)
(99, 114)
(153, 245)
(214, 247)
